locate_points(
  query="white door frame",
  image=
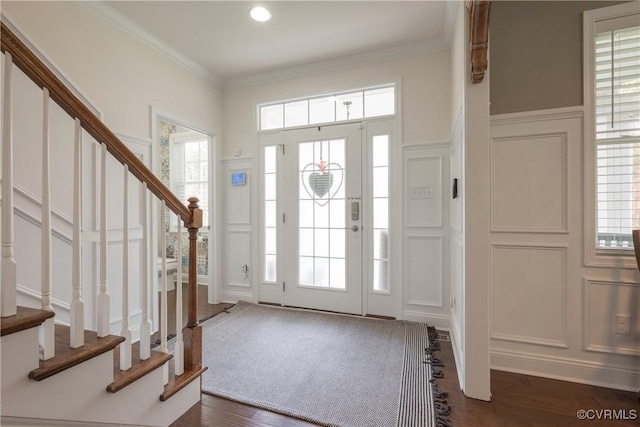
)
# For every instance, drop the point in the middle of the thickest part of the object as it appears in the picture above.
(215, 197)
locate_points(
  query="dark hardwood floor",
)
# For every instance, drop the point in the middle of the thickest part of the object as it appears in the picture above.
(517, 401)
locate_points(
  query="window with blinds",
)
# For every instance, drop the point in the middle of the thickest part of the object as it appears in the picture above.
(617, 132)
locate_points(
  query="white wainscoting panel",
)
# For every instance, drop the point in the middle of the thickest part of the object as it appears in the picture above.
(238, 197)
(603, 300)
(423, 270)
(529, 183)
(239, 254)
(528, 294)
(423, 190)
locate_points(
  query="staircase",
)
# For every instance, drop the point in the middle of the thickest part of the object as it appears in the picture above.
(53, 370)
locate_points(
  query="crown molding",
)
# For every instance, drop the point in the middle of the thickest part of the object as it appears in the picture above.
(115, 18)
(341, 63)
(130, 27)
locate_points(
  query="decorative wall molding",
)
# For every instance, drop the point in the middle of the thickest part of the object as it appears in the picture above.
(438, 274)
(534, 139)
(436, 320)
(26, 203)
(560, 342)
(60, 307)
(627, 345)
(232, 278)
(563, 113)
(412, 158)
(233, 297)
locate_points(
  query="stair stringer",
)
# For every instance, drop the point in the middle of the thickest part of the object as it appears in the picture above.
(79, 393)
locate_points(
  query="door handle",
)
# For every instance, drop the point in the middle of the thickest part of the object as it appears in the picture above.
(355, 228)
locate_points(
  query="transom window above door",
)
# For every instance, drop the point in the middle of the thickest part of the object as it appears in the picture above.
(338, 107)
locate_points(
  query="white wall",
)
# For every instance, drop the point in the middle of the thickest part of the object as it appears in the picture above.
(425, 98)
(123, 79)
(551, 315)
(425, 123)
(120, 75)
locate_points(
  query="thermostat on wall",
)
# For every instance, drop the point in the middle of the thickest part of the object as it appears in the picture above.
(238, 178)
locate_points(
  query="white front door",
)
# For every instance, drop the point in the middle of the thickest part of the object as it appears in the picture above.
(320, 239)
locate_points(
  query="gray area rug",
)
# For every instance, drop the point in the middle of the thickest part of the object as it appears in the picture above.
(329, 369)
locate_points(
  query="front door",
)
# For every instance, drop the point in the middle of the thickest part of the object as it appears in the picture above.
(321, 210)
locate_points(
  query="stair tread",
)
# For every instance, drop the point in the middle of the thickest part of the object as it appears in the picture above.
(177, 383)
(139, 368)
(25, 318)
(67, 357)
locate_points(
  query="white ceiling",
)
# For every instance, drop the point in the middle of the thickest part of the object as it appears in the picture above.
(219, 39)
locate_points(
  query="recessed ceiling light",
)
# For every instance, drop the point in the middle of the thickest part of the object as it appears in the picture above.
(260, 14)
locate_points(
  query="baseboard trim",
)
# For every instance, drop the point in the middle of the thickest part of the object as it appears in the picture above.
(566, 369)
(437, 320)
(233, 297)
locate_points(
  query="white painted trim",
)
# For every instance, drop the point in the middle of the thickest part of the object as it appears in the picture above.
(563, 248)
(232, 297)
(405, 269)
(59, 305)
(564, 228)
(594, 257)
(566, 369)
(439, 321)
(586, 315)
(23, 212)
(537, 116)
(128, 26)
(440, 191)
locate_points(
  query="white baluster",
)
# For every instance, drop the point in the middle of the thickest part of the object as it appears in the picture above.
(125, 347)
(104, 326)
(145, 325)
(8, 284)
(179, 351)
(77, 305)
(46, 331)
(163, 293)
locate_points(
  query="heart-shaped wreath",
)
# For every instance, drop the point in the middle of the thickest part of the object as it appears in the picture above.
(318, 181)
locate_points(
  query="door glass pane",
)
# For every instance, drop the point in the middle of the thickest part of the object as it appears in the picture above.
(269, 200)
(380, 175)
(321, 208)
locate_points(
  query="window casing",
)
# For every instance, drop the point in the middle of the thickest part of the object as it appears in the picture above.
(612, 134)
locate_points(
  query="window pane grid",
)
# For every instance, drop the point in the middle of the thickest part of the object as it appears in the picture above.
(618, 194)
(374, 102)
(270, 206)
(380, 188)
(322, 241)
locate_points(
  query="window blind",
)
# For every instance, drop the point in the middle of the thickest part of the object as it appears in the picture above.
(617, 102)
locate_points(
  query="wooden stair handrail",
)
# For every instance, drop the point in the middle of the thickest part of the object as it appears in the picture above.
(35, 69)
(40, 74)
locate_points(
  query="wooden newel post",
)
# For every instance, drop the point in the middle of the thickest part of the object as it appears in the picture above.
(193, 332)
